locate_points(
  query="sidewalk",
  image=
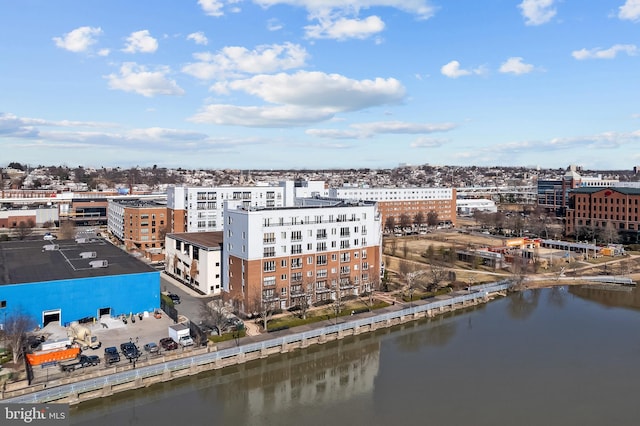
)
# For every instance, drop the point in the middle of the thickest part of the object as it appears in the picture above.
(182, 286)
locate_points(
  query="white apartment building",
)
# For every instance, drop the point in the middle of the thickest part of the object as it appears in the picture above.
(320, 249)
(396, 202)
(195, 259)
(200, 209)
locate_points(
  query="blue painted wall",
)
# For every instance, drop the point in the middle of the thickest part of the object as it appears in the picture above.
(80, 298)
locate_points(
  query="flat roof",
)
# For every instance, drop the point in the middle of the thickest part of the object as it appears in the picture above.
(211, 239)
(27, 261)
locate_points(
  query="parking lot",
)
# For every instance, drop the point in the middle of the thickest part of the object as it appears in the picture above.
(110, 332)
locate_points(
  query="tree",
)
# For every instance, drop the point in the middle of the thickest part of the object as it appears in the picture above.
(432, 219)
(609, 234)
(304, 299)
(418, 219)
(390, 223)
(67, 230)
(437, 275)
(25, 228)
(405, 221)
(16, 326)
(213, 314)
(264, 308)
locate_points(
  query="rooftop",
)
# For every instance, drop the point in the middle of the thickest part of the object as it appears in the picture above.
(28, 261)
(621, 189)
(201, 239)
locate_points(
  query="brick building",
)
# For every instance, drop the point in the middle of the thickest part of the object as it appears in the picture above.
(320, 250)
(593, 212)
(138, 224)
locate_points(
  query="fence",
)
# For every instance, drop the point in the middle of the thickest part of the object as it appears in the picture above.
(210, 358)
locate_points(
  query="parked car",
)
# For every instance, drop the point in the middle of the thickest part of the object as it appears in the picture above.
(81, 362)
(152, 348)
(130, 351)
(168, 344)
(174, 298)
(111, 355)
(49, 236)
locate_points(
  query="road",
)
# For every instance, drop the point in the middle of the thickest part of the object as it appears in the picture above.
(190, 300)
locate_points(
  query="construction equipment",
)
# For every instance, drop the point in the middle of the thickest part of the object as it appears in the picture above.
(83, 337)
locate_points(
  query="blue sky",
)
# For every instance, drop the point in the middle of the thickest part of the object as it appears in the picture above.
(270, 84)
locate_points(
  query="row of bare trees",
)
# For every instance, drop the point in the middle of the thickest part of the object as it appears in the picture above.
(406, 221)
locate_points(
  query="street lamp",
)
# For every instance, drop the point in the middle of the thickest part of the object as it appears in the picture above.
(411, 296)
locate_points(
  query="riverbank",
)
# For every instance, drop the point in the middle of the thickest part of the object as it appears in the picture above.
(106, 383)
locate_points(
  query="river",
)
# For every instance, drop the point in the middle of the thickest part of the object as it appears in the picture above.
(560, 356)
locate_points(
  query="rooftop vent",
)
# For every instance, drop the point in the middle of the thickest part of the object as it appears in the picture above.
(99, 263)
(88, 255)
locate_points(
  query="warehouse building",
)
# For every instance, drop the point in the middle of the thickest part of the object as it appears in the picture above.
(72, 280)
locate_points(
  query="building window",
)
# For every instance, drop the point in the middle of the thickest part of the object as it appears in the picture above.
(321, 259)
(296, 249)
(269, 238)
(283, 263)
(267, 281)
(296, 262)
(269, 251)
(269, 266)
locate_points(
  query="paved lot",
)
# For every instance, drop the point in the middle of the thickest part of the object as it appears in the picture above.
(143, 331)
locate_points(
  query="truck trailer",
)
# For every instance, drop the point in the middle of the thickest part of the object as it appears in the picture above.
(180, 333)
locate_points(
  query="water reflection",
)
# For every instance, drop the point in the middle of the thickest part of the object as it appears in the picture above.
(523, 303)
(557, 296)
(248, 394)
(612, 295)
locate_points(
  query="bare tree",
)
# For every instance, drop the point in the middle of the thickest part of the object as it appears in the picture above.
(418, 219)
(213, 314)
(67, 230)
(264, 308)
(390, 223)
(432, 219)
(25, 228)
(405, 221)
(304, 298)
(16, 326)
(609, 234)
(437, 275)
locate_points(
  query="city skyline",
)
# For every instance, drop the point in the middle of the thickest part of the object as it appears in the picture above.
(289, 84)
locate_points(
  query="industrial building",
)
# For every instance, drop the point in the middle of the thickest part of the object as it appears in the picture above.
(70, 280)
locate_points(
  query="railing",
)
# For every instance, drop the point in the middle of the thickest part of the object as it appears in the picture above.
(89, 385)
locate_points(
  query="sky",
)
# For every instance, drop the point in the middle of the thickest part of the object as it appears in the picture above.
(313, 84)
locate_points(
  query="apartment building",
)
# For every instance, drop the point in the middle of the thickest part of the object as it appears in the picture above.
(195, 259)
(395, 202)
(138, 223)
(320, 249)
(593, 212)
(201, 209)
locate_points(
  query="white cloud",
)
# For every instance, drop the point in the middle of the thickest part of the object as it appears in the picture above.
(321, 90)
(274, 25)
(453, 70)
(141, 41)
(260, 116)
(537, 12)
(301, 98)
(212, 7)
(514, 65)
(368, 130)
(604, 140)
(630, 11)
(429, 142)
(136, 78)
(238, 61)
(78, 40)
(104, 52)
(400, 127)
(421, 8)
(198, 38)
(343, 28)
(610, 53)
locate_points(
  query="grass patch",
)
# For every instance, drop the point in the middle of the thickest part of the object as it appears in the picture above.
(287, 322)
(228, 336)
